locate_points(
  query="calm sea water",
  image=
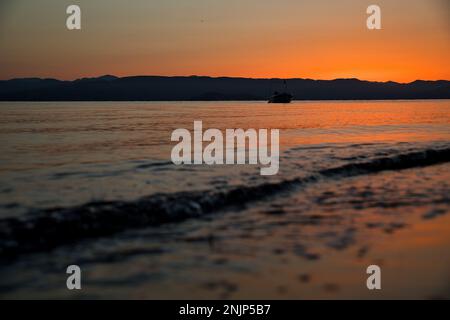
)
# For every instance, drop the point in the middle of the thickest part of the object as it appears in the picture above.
(92, 183)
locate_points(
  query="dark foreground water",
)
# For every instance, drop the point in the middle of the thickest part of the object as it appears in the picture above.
(92, 184)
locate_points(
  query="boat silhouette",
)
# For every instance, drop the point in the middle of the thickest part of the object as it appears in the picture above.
(281, 97)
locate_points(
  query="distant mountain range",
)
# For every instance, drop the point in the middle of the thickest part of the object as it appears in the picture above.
(158, 88)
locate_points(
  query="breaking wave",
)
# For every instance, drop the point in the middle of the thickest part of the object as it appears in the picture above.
(45, 229)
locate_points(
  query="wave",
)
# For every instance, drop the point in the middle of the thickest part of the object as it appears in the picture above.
(46, 229)
(398, 162)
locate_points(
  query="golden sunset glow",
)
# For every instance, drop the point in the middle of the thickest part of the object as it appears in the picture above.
(320, 39)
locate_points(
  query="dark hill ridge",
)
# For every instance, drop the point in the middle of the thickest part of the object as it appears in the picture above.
(159, 88)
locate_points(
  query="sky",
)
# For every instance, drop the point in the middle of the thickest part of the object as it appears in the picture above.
(318, 39)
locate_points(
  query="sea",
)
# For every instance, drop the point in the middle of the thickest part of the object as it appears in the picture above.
(92, 184)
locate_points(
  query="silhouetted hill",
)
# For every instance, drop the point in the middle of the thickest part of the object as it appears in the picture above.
(154, 88)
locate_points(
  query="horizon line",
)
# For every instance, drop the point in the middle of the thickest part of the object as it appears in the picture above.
(216, 77)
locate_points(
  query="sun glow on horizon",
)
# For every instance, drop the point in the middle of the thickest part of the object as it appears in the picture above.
(320, 39)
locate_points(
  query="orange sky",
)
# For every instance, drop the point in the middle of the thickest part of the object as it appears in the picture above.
(320, 39)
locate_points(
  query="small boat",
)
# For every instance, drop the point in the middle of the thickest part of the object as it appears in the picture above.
(281, 97)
